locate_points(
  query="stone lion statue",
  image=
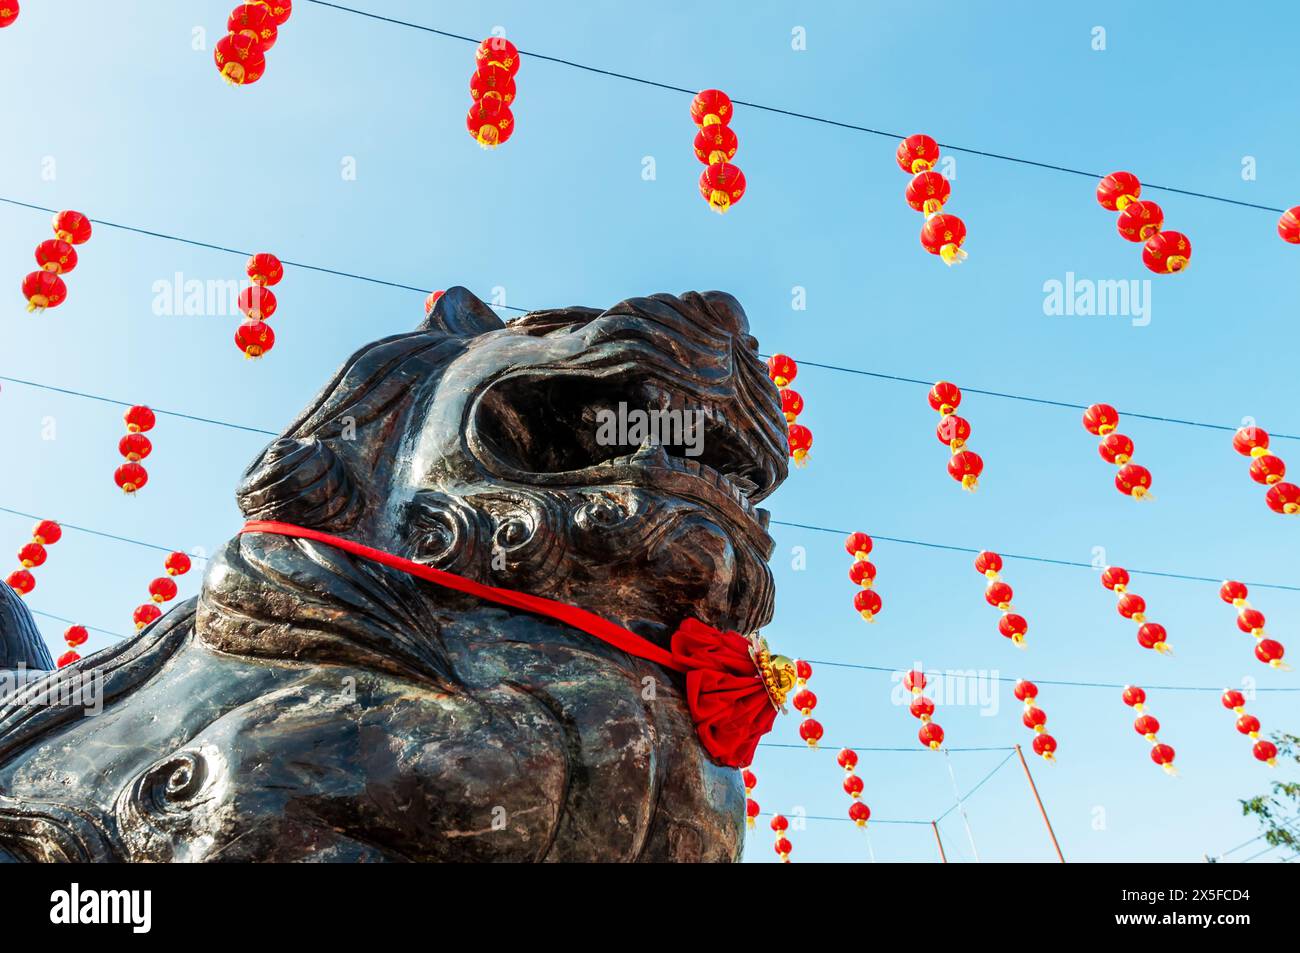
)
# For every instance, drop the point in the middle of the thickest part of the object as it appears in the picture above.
(312, 705)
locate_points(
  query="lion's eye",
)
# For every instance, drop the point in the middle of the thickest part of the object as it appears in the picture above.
(513, 532)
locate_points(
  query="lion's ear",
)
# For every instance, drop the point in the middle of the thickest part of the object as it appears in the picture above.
(299, 481)
(461, 313)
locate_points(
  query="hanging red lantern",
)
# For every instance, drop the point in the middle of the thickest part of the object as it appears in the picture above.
(1045, 747)
(1265, 751)
(257, 303)
(931, 735)
(782, 369)
(1152, 635)
(1115, 578)
(280, 10)
(711, 107)
(1163, 755)
(1267, 469)
(1167, 252)
(255, 21)
(791, 404)
(953, 431)
(56, 256)
(862, 573)
(1147, 726)
(810, 730)
(135, 447)
(1117, 190)
(858, 545)
(21, 581)
(1248, 725)
(8, 13)
(177, 564)
(801, 439)
(1134, 697)
(254, 338)
(1134, 480)
(75, 635)
(1234, 700)
(804, 702)
(783, 848)
(748, 778)
(966, 467)
(914, 681)
(146, 614)
(47, 533)
(802, 672)
(1270, 652)
(716, 143)
(492, 82)
(1025, 691)
(1288, 226)
(859, 813)
(945, 397)
(264, 269)
(1251, 621)
(1250, 441)
(67, 658)
(853, 785)
(1140, 220)
(490, 122)
(32, 555)
(988, 564)
(847, 759)
(1034, 718)
(498, 51)
(867, 603)
(1132, 606)
(943, 235)
(130, 477)
(722, 185)
(928, 191)
(1100, 419)
(44, 289)
(162, 589)
(1283, 498)
(139, 419)
(1014, 627)
(751, 812)
(998, 595)
(239, 59)
(922, 708)
(917, 153)
(1116, 448)
(432, 300)
(72, 227)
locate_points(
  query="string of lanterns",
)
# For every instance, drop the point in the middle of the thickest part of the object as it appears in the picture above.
(750, 780)
(1149, 728)
(1163, 251)
(942, 234)
(1035, 719)
(1251, 621)
(44, 288)
(782, 846)
(782, 370)
(722, 184)
(998, 594)
(492, 87)
(1267, 468)
(73, 636)
(930, 734)
(862, 573)
(252, 30)
(254, 337)
(1150, 635)
(8, 13)
(965, 466)
(1248, 725)
(810, 729)
(135, 446)
(162, 589)
(1131, 479)
(33, 554)
(859, 813)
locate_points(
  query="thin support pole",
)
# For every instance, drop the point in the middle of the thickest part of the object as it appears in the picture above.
(1042, 810)
(939, 840)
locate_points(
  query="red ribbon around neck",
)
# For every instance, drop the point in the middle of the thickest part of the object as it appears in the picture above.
(724, 691)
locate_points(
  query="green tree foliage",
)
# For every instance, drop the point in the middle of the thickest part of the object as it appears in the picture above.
(1275, 811)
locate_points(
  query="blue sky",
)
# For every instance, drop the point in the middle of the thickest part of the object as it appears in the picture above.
(138, 129)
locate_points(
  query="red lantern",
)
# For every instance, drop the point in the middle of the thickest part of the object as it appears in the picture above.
(791, 404)
(1034, 718)
(162, 589)
(239, 59)
(67, 658)
(264, 269)
(255, 21)
(783, 847)
(914, 681)
(1264, 751)
(1283, 498)
(966, 467)
(1140, 220)
(922, 708)
(804, 702)
(715, 143)
(782, 369)
(998, 595)
(953, 431)
(1250, 441)
(722, 185)
(711, 107)
(927, 192)
(1234, 699)
(988, 564)
(146, 614)
(139, 419)
(177, 564)
(280, 10)
(931, 735)
(1045, 746)
(135, 447)
(802, 672)
(1251, 621)
(47, 533)
(1134, 697)
(1116, 448)
(810, 730)
(498, 51)
(1133, 480)
(432, 300)
(862, 573)
(847, 759)
(751, 811)
(1270, 652)
(867, 602)
(801, 439)
(1025, 691)
(57, 256)
(917, 153)
(945, 397)
(1288, 226)
(1248, 725)
(257, 302)
(21, 581)
(779, 823)
(1014, 627)
(1132, 606)
(1267, 469)
(858, 545)
(860, 813)
(32, 555)
(943, 235)
(490, 123)
(492, 82)
(1167, 252)
(1163, 755)
(1152, 635)
(1100, 419)
(8, 13)
(130, 477)
(72, 227)
(254, 338)
(1115, 578)
(1117, 190)
(75, 635)
(853, 785)
(44, 289)
(1147, 726)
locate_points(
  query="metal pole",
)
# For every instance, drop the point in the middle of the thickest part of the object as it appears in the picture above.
(942, 855)
(1042, 810)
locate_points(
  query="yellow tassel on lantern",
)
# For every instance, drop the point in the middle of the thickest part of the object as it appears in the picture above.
(952, 254)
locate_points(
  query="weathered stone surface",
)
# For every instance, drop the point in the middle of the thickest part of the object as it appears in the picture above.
(314, 706)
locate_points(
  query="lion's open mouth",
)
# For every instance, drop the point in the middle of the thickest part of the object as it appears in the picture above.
(576, 429)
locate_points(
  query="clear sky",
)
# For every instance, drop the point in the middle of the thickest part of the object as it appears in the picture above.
(114, 112)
